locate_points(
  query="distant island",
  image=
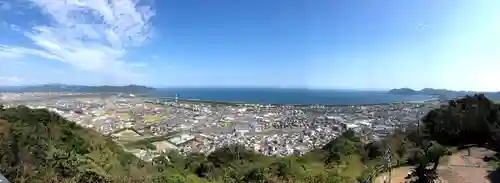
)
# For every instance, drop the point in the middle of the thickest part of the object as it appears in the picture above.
(441, 93)
(429, 91)
(78, 88)
(403, 91)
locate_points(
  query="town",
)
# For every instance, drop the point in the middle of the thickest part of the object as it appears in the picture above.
(148, 127)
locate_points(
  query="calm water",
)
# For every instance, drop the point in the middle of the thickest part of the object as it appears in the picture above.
(288, 96)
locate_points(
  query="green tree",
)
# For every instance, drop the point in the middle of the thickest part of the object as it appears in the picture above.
(256, 175)
(226, 155)
(463, 121)
(429, 155)
(374, 150)
(346, 144)
(286, 169)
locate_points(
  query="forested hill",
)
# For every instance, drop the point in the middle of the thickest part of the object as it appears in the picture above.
(40, 146)
(78, 88)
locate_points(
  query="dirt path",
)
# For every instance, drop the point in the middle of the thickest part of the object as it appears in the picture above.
(460, 168)
(398, 175)
(467, 169)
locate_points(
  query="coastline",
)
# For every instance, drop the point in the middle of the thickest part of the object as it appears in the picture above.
(369, 99)
(285, 97)
(165, 99)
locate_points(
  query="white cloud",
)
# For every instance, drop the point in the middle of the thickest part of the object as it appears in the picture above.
(10, 80)
(422, 25)
(15, 28)
(19, 52)
(92, 35)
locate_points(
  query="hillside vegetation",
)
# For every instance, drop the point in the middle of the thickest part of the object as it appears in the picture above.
(39, 146)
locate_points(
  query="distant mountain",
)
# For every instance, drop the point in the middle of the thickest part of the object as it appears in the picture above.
(441, 93)
(403, 91)
(77, 88)
(432, 91)
(427, 91)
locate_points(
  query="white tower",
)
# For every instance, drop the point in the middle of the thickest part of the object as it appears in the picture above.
(176, 98)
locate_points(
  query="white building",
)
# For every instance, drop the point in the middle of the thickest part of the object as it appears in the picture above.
(181, 139)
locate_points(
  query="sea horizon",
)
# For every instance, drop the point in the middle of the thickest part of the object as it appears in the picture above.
(274, 88)
(287, 96)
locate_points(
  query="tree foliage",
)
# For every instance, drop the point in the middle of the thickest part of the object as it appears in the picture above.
(426, 161)
(468, 120)
(36, 144)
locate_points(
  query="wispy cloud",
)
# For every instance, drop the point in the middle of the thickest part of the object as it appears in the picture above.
(422, 25)
(10, 80)
(92, 35)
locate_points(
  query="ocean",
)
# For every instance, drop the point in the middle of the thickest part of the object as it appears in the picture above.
(287, 96)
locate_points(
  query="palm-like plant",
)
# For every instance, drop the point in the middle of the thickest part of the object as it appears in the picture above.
(429, 155)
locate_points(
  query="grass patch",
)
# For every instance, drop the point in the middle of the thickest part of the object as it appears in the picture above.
(354, 167)
(142, 142)
(152, 118)
(123, 115)
(493, 164)
(108, 113)
(143, 146)
(314, 168)
(128, 133)
(493, 161)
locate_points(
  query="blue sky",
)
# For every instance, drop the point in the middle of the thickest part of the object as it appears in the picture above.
(260, 43)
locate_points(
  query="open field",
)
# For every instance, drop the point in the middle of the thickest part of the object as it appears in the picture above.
(127, 133)
(164, 145)
(123, 115)
(152, 118)
(354, 167)
(149, 140)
